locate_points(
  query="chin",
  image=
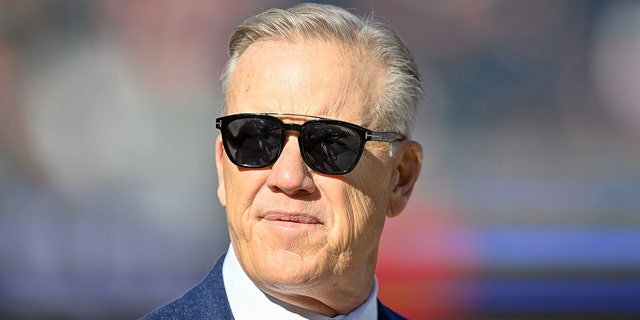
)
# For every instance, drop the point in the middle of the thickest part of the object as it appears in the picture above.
(288, 269)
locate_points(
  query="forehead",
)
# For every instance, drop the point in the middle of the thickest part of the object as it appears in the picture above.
(313, 77)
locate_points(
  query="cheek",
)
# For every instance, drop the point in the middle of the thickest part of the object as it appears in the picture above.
(360, 219)
(367, 216)
(241, 186)
(372, 181)
(366, 201)
(241, 189)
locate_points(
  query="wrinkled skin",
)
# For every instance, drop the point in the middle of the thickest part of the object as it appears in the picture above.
(307, 238)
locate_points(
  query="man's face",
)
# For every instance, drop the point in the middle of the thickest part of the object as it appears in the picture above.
(292, 227)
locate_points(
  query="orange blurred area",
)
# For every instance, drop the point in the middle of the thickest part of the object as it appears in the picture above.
(426, 258)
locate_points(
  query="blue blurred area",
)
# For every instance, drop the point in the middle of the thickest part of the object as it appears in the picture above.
(571, 298)
(561, 248)
(528, 205)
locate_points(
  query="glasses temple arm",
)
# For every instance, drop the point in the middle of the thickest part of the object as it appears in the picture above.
(386, 136)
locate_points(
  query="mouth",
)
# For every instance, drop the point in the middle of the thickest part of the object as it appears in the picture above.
(291, 218)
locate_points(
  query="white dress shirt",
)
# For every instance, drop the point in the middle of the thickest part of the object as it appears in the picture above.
(249, 302)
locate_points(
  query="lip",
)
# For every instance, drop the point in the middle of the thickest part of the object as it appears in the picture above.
(297, 218)
(291, 230)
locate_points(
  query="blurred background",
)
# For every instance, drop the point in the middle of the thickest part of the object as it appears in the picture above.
(528, 206)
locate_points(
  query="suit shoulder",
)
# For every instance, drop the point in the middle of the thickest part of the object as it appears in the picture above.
(207, 300)
(385, 313)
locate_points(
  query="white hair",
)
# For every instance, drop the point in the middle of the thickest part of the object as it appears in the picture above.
(397, 104)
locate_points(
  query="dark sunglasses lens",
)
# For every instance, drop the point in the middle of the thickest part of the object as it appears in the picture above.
(253, 142)
(331, 148)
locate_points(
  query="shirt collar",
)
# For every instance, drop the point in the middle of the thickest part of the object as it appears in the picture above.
(248, 302)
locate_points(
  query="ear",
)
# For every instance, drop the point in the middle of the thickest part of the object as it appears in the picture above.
(407, 165)
(222, 195)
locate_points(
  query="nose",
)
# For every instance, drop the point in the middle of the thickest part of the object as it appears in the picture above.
(289, 173)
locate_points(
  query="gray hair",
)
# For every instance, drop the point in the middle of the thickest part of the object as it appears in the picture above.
(396, 107)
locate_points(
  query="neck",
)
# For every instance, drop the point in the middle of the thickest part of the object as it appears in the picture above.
(329, 300)
(338, 294)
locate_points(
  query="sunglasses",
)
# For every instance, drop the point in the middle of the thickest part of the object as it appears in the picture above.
(255, 140)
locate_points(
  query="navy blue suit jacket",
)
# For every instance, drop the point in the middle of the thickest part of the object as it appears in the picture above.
(208, 300)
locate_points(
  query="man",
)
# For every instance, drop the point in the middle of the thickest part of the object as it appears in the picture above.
(314, 154)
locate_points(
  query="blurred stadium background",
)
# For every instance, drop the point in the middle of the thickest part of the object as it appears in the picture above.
(528, 206)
